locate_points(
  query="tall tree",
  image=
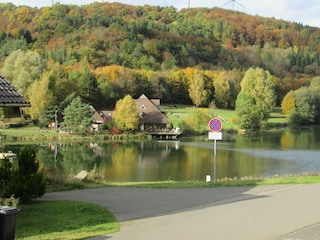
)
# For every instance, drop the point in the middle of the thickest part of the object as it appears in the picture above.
(306, 105)
(222, 90)
(77, 117)
(48, 116)
(197, 90)
(126, 115)
(257, 83)
(302, 106)
(247, 111)
(40, 97)
(288, 103)
(256, 98)
(178, 88)
(90, 90)
(22, 68)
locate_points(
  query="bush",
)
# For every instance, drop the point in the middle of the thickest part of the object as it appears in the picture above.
(5, 177)
(11, 201)
(294, 119)
(25, 182)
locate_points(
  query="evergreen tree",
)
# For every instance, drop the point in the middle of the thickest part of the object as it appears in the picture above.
(90, 91)
(26, 182)
(77, 117)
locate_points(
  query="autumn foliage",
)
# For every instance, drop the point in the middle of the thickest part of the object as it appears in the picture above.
(105, 51)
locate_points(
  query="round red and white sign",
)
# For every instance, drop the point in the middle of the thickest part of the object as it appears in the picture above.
(215, 125)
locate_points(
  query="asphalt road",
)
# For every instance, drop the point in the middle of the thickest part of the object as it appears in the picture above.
(280, 212)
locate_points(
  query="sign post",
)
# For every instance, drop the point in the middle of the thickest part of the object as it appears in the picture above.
(215, 126)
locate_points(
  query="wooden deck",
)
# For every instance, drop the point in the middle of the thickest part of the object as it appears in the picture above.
(164, 134)
(8, 155)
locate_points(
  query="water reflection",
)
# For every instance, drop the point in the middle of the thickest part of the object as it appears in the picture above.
(271, 153)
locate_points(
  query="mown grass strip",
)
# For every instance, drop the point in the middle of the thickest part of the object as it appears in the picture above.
(226, 182)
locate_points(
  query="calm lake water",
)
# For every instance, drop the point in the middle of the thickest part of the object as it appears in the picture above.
(272, 153)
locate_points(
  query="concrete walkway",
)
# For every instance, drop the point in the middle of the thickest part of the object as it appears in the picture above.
(280, 212)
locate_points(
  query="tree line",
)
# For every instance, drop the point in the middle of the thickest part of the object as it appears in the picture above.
(103, 52)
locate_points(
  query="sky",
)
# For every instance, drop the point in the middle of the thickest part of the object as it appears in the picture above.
(300, 11)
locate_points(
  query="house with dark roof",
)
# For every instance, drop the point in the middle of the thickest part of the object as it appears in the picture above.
(151, 118)
(9, 97)
(152, 121)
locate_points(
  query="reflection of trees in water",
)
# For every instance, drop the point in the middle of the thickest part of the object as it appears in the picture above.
(160, 160)
(140, 161)
(48, 160)
(62, 161)
(193, 160)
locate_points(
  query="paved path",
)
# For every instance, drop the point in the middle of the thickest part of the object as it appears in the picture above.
(280, 212)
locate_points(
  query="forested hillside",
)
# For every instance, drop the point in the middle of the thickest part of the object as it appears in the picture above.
(103, 51)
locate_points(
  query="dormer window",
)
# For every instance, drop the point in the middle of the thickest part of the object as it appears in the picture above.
(143, 106)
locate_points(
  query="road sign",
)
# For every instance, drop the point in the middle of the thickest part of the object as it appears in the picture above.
(215, 136)
(215, 125)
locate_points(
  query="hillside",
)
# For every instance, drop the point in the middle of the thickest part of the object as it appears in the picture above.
(114, 33)
(103, 51)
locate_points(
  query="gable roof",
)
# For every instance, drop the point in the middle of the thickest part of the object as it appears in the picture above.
(97, 118)
(9, 97)
(149, 113)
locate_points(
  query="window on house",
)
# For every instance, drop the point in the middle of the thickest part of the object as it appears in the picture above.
(143, 106)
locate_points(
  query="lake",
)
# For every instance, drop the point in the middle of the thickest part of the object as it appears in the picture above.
(279, 152)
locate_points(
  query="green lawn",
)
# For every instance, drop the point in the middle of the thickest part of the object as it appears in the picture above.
(228, 117)
(226, 182)
(63, 220)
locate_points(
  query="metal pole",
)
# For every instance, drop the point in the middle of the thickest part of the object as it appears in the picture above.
(215, 162)
(56, 120)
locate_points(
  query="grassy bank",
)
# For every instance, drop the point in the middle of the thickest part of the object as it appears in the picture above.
(176, 114)
(33, 134)
(226, 182)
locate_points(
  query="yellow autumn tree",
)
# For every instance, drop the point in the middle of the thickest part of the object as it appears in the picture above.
(288, 103)
(198, 92)
(112, 72)
(222, 90)
(126, 115)
(40, 96)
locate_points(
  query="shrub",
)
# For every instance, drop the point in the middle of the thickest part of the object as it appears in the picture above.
(11, 201)
(5, 177)
(294, 119)
(26, 182)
